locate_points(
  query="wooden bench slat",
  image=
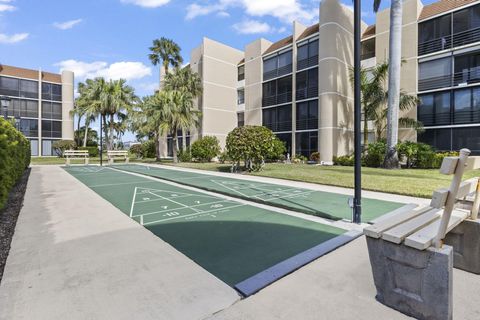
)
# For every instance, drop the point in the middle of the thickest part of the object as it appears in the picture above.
(400, 232)
(449, 164)
(400, 216)
(401, 210)
(423, 238)
(473, 163)
(440, 196)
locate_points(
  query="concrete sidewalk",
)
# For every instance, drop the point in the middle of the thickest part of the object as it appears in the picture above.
(339, 286)
(75, 256)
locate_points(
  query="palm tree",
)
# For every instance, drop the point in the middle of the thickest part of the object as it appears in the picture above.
(184, 80)
(78, 112)
(166, 52)
(395, 59)
(177, 112)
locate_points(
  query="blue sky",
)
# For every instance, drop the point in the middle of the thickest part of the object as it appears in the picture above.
(111, 37)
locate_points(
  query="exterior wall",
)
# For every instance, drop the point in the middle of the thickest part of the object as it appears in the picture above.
(67, 105)
(253, 81)
(335, 128)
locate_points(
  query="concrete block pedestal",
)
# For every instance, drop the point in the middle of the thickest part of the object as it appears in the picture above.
(414, 282)
(465, 240)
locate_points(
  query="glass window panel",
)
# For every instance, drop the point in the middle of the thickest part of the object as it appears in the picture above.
(269, 64)
(302, 52)
(302, 111)
(435, 68)
(426, 31)
(56, 92)
(462, 100)
(29, 89)
(302, 80)
(9, 86)
(442, 26)
(47, 148)
(466, 138)
(313, 48)
(34, 147)
(426, 104)
(313, 109)
(56, 111)
(313, 77)
(461, 21)
(285, 59)
(270, 88)
(475, 16)
(285, 85)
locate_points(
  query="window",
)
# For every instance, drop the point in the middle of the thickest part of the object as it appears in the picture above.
(286, 138)
(307, 54)
(34, 147)
(51, 129)
(307, 84)
(306, 143)
(23, 108)
(51, 91)
(240, 96)
(440, 139)
(467, 69)
(29, 89)
(240, 119)
(434, 35)
(368, 49)
(307, 115)
(467, 106)
(465, 26)
(9, 86)
(51, 110)
(434, 109)
(435, 74)
(29, 127)
(241, 73)
(278, 65)
(277, 91)
(453, 139)
(278, 119)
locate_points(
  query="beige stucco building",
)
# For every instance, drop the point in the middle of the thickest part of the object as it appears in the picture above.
(40, 102)
(299, 86)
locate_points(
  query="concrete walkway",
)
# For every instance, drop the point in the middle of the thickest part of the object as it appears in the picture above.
(75, 256)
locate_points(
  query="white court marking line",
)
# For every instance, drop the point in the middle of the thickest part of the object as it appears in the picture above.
(118, 184)
(259, 197)
(196, 214)
(261, 187)
(133, 202)
(197, 205)
(231, 189)
(180, 204)
(173, 193)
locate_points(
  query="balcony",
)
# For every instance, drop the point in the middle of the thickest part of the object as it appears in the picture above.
(281, 71)
(278, 99)
(448, 42)
(307, 124)
(307, 93)
(466, 77)
(435, 119)
(307, 63)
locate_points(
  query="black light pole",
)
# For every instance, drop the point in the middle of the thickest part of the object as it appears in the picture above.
(101, 141)
(357, 201)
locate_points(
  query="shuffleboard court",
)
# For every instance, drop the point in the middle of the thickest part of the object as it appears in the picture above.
(324, 204)
(245, 246)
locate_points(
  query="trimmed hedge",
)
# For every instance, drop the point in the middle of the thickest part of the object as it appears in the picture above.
(205, 149)
(92, 151)
(14, 158)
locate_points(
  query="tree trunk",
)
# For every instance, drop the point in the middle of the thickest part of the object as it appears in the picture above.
(365, 130)
(86, 135)
(395, 60)
(110, 147)
(157, 146)
(184, 140)
(78, 130)
(105, 130)
(174, 147)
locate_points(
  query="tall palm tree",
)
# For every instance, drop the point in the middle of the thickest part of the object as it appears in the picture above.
(177, 112)
(78, 112)
(166, 52)
(184, 80)
(395, 59)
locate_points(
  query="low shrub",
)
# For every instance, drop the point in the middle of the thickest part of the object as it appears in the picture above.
(148, 149)
(223, 157)
(375, 154)
(344, 161)
(315, 156)
(61, 145)
(205, 149)
(136, 150)
(14, 157)
(92, 151)
(278, 151)
(185, 156)
(299, 159)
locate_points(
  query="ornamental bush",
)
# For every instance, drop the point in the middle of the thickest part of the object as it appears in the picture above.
(251, 144)
(278, 151)
(14, 158)
(185, 156)
(315, 156)
(136, 150)
(148, 149)
(61, 145)
(205, 149)
(375, 154)
(92, 151)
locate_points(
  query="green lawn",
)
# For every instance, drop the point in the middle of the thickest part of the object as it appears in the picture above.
(96, 160)
(411, 182)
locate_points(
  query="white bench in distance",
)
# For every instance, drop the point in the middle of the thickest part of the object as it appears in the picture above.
(75, 154)
(117, 154)
(413, 249)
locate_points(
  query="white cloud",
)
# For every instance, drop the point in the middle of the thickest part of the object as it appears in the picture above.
(284, 10)
(67, 24)
(14, 38)
(147, 3)
(119, 70)
(252, 27)
(6, 7)
(223, 14)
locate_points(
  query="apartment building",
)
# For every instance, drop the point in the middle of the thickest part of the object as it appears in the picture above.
(299, 86)
(40, 102)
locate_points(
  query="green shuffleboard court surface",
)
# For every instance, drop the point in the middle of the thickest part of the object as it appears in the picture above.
(232, 240)
(325, 204)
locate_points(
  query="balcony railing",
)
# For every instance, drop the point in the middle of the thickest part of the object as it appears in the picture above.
(449, 118)
(306, 124)
(465, 117)
(279, 126)
(447, 42)
(306, 93)
(277, 72)
(278, 99)
(468, 76)
(306, 63)
(367, 55)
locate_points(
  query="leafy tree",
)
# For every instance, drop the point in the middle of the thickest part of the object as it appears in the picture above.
(61, 145)
(205, 149)
(166, 52)
(251, 144)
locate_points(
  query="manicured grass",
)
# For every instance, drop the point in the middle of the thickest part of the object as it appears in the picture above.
(411, 182)
(96, 160)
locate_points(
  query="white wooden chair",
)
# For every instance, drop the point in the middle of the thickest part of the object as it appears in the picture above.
(412, 266)
(75, 154)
